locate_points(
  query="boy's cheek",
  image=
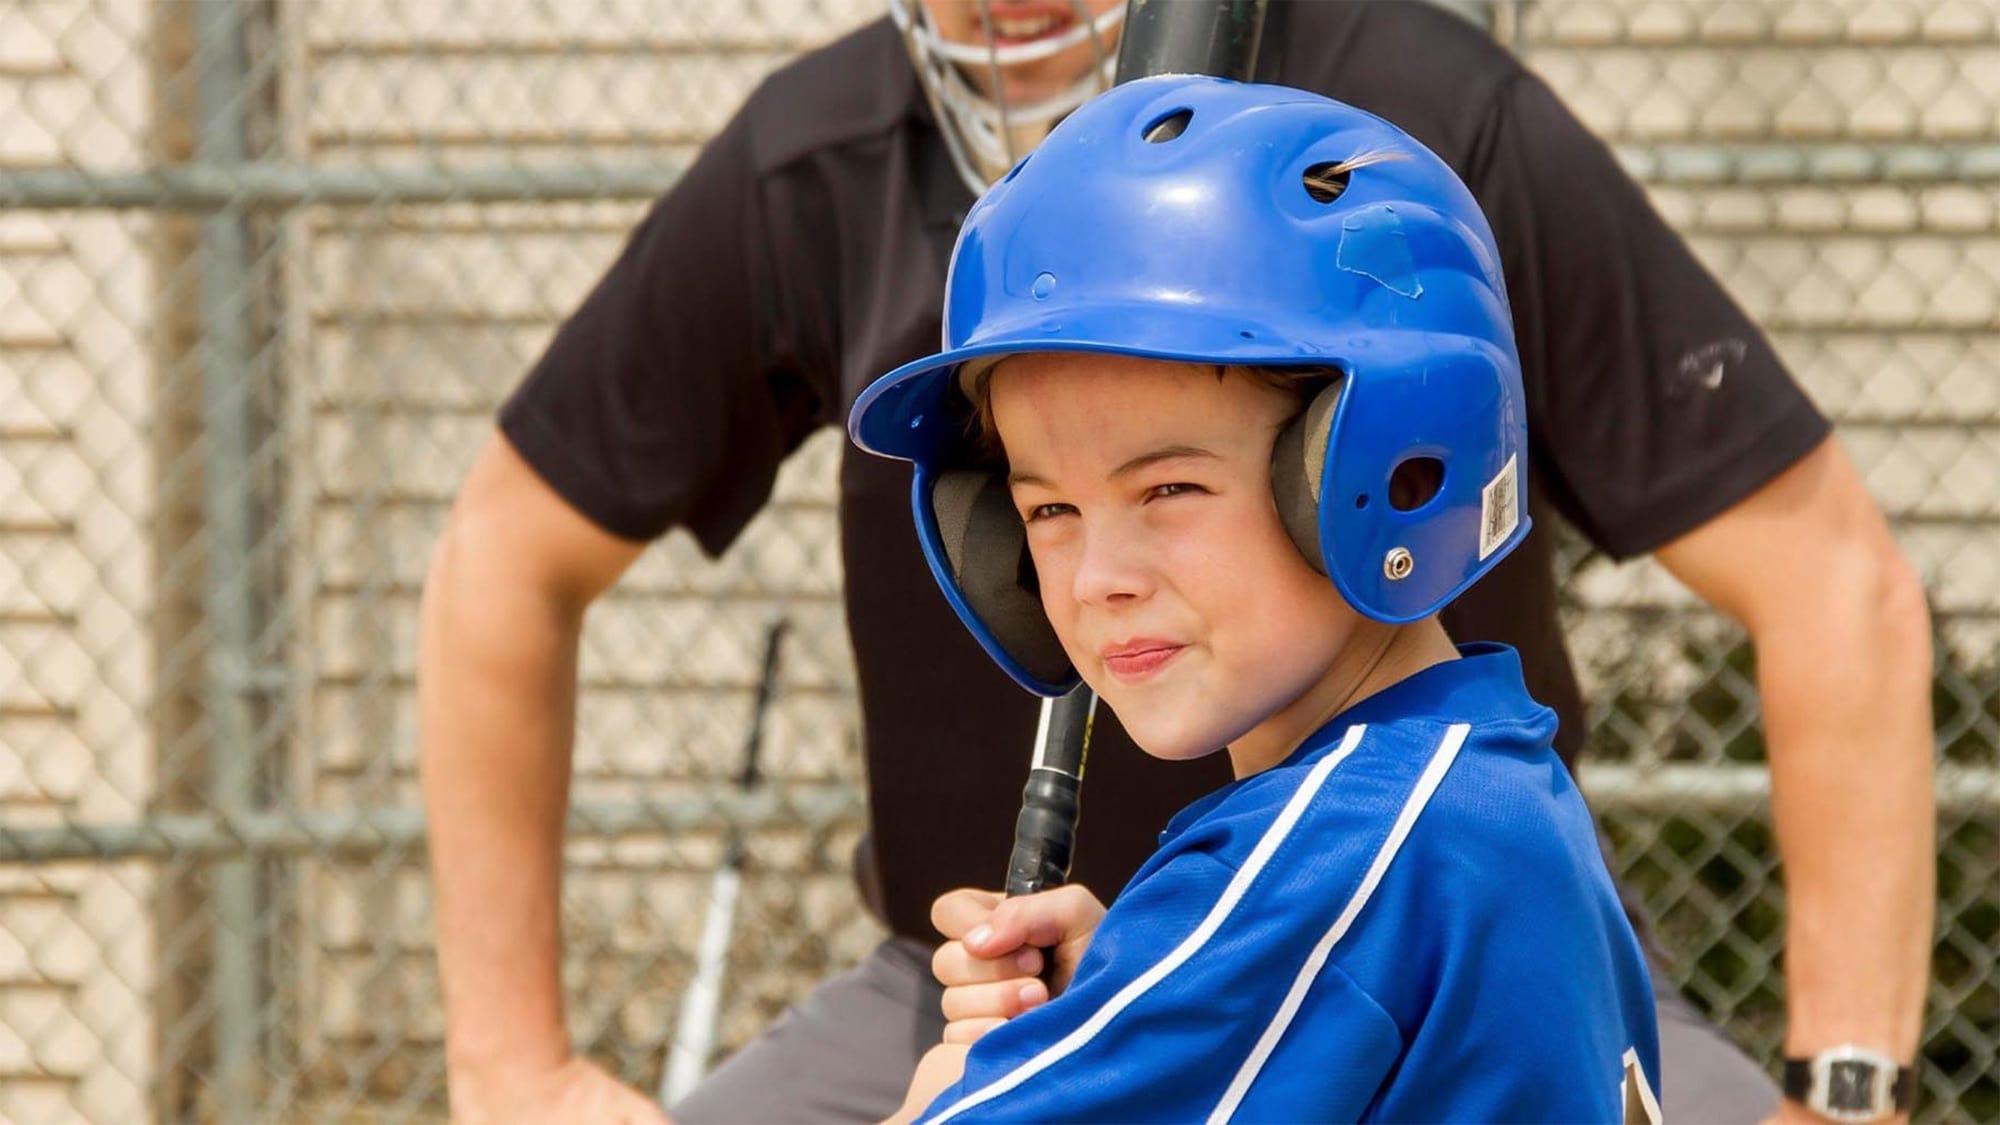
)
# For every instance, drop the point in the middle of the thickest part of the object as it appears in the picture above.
(1174, 719)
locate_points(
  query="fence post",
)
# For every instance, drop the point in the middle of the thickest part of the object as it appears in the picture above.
(228, 596)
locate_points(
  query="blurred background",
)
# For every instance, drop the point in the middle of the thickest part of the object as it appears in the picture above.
(267, 266)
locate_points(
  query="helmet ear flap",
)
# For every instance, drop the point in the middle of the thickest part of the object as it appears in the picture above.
(987, 549)
(1298, 461)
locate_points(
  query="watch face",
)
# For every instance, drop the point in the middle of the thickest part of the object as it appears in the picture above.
(1850, 1085)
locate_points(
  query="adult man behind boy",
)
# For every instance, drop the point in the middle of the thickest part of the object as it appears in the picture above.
(801, 256)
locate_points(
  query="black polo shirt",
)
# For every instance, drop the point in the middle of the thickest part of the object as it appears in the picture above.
(804, 254)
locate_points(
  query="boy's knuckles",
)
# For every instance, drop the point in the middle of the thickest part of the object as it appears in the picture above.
(974, 1001)
(953, 965)
(992, 1000)
(969, 1031)
(956, 913)
(948, 963)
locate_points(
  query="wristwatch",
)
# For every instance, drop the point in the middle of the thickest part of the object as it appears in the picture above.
(1850, 1083)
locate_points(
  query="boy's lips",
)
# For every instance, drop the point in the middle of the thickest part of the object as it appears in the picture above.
(1138, 659)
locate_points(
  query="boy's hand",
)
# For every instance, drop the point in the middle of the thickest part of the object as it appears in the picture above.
(941, 1066)
(991, 966)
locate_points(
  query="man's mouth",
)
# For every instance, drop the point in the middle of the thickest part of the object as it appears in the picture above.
(1011, 27)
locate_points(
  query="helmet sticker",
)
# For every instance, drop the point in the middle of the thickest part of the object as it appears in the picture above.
(1499, 509)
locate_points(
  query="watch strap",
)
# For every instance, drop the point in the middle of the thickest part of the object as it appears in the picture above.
(1796, 1083)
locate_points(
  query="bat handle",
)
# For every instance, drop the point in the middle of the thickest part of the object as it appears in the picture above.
(1044, 832)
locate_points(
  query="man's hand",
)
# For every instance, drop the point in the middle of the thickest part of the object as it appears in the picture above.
(991, 965)
(575, 1090)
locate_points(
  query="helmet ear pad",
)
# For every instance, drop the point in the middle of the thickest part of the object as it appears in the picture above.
(987, 549)
(1298, 461)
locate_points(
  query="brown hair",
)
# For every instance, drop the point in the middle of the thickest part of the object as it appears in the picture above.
(976, 384)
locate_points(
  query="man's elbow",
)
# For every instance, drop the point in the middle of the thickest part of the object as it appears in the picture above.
(464, 543)
(495, 595)
(1859, 627)
(1901, 617)
(509, 538)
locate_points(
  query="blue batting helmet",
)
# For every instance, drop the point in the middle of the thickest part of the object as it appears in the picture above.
(1208, 221)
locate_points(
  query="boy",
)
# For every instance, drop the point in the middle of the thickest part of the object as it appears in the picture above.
(1209, 347)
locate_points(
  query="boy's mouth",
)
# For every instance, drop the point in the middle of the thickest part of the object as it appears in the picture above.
(1140, 658)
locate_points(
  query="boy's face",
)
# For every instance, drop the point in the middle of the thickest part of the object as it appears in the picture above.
(1145, 488)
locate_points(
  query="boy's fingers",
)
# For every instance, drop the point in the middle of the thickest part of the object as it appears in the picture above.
(952, 965)
(1043, 920)
(969, 1031)
(997, 1000)
(956, 913)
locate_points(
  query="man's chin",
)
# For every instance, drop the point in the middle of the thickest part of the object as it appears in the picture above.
(1032, 89)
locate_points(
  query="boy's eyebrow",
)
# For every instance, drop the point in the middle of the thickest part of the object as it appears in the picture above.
(1164, 453)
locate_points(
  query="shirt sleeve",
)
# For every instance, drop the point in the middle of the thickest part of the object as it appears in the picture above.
(1654, 403)
(673, 392)
(1184, 994)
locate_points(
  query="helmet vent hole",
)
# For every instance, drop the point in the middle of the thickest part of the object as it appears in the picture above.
(1415, 482)
(1327, 181)
(1361, 500)
(1015, 170)
(1246, 334)
(1168, 126)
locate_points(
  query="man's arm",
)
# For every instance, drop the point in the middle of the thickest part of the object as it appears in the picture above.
(502, 611)
(1842, 636)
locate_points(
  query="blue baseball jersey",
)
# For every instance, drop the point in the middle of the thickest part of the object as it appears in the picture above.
(1409, 919)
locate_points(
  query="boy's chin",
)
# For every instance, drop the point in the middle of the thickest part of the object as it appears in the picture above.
(1176, 742)
(1164, 722)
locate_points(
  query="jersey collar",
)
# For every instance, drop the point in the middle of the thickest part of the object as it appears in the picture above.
(1484, 687)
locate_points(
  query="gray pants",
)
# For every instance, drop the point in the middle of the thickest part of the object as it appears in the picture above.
(847, 1051)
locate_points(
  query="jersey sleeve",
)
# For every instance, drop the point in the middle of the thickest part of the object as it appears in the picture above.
(1654, 402)
(1192, 983)
(673, 392)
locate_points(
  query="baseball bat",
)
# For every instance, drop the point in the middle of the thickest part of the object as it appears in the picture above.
(694, 1034)
(1218, 37)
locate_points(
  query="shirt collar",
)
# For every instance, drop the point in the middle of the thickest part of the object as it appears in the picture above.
(1483, 686)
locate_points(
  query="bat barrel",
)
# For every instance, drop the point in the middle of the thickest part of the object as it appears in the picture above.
(1218, 37)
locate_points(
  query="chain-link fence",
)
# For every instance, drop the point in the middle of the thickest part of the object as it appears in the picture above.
(265, 269)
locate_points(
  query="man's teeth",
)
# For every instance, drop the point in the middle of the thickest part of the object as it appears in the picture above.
(1025, 27)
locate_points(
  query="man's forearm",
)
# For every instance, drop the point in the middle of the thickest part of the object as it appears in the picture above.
(1846, 695)
(496, 692)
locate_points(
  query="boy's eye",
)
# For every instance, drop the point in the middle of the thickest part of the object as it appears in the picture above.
(1178, 488)
(1047, 511)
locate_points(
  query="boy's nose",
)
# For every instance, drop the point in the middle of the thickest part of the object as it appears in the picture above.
(1115, 567)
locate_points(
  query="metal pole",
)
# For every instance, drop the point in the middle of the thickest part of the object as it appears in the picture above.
(221, 185)
(1961, 791)
(334, 833)
(228, 601)
(266, 185)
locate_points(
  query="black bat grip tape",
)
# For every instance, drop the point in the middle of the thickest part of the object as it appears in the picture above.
(1044, 833)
